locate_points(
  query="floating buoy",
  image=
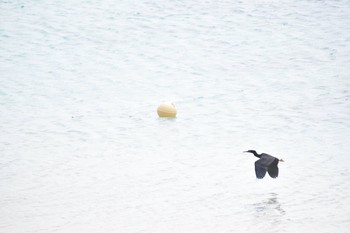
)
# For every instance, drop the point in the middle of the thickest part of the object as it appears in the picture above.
(166, 109)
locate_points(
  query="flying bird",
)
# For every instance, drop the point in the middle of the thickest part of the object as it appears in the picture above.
(265, 163)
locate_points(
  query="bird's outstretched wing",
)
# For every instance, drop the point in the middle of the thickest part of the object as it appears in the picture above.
(273, 170)
(260, 169)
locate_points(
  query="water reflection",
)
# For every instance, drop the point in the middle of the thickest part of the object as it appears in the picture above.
(270, 213)
(270, 204)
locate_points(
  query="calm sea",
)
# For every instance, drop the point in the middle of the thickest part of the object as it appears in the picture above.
(83, 150)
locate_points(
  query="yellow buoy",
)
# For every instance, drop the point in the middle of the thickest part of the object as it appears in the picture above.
(166, 109)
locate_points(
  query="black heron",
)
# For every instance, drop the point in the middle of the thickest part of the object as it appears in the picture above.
(265, 163)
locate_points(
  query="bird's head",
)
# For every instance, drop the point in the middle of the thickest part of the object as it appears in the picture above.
(253, 152)
(250, 151)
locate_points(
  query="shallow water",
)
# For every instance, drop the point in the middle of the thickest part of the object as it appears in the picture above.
(82, 149)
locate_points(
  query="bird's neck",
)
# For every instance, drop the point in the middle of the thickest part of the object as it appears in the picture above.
(256, 154)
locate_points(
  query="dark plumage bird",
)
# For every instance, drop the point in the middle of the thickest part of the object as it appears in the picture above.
(265, 163)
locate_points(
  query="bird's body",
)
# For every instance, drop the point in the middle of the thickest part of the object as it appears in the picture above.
(266, 163)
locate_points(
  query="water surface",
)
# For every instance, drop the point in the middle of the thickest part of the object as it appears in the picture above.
(82, 149)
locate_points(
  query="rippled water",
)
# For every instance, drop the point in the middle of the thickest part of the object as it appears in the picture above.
(82, 149)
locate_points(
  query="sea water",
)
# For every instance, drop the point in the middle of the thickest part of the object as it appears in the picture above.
(83, 150)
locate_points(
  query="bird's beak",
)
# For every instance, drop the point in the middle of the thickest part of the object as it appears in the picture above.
(245, 151)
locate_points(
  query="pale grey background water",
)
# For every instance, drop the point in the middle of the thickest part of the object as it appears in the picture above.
(82, 149)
